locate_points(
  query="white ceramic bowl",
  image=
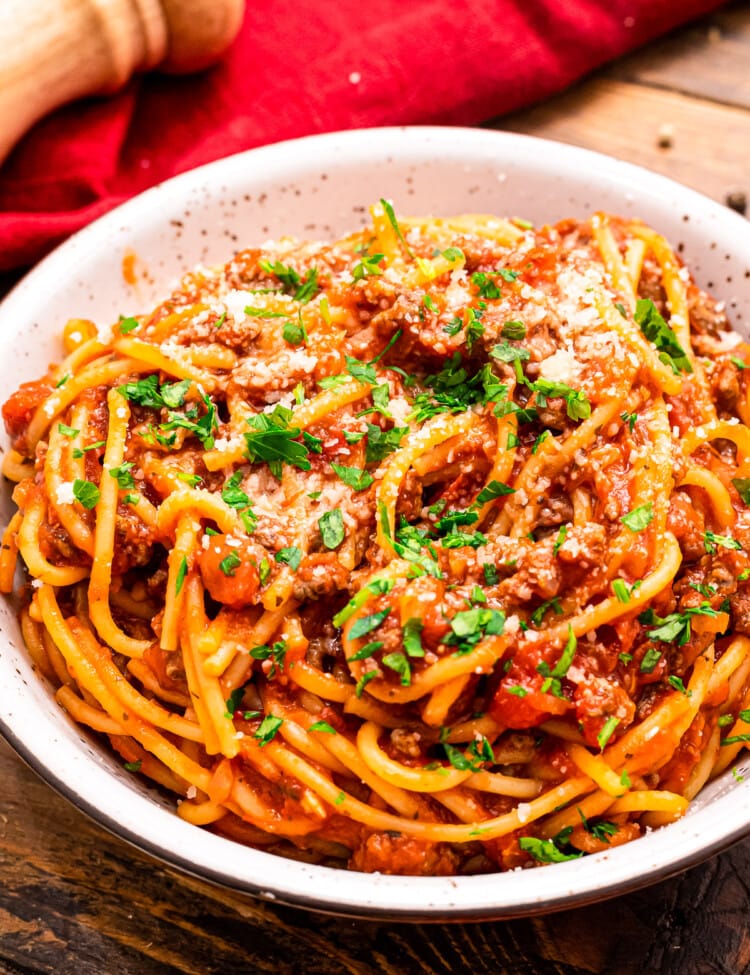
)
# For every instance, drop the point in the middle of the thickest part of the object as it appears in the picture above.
(317, 188)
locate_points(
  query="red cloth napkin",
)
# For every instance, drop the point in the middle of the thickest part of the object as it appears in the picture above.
(311, 67)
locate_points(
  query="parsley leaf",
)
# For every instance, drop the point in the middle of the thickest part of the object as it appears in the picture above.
(369, 266)
(639, 518)
(650, 659)
(86, 493)
(676, 626)
(123, 476)
(399, 663)
(742, 484)
(657, 331)
(495, 489)
(268, 728)
(230, 563)
(505, 352)
(365, 624)
(545, 851)
(710, 541)
(180, 577)
(294, 333)
(332, 530)
(412, 636)
(271, 439)
(380, 443)
(374, 587)
(353, 477)
(515, 331)
(232, 494)
(322, 726)
(291, 555)
(127, 324)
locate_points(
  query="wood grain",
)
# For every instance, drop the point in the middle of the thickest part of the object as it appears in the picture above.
(709, 60)
(710, 142)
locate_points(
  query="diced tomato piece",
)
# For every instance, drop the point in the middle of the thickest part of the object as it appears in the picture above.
(230, 573)
(21, 406)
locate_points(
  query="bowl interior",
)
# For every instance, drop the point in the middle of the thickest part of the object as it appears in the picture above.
(319, 188)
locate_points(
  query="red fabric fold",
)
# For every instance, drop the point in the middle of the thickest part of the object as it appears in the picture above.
(305, 68)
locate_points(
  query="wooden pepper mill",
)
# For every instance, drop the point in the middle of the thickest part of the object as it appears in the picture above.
(54, 52)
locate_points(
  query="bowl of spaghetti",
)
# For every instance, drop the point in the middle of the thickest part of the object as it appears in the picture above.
(384, 539)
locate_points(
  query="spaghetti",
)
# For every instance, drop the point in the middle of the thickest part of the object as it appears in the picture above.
(425, 551)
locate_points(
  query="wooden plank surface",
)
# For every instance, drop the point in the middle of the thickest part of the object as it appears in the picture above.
(710, 143)
(76, 901)
(709, 59)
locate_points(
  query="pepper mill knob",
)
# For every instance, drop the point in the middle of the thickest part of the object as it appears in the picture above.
(53, 52)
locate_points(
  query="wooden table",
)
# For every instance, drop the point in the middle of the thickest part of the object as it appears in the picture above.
(75, 900)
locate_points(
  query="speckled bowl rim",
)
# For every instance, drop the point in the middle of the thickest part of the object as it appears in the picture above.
(100, 789)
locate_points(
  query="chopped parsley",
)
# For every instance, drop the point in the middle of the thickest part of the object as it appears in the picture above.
(276, 654)
(400, 664)
(367, 650)
(607, 731)
(486, 285)
(469, 626)
(412, 636)
(123, 476)
(366, 624)
(650, 659)
(322, 726)
(639, 518)
(79, 452)
(545, 851)
(67, 431)
(490, 574)
(540, 612)
(291, 556)
(676, 626)
(678, 685)
(495, 489)
(263, 312)
(391, 215)
(505, 352)
(661, 335)
(295, 333)
(86, 493)
(353, 477)
(515, 331)
(331, 525)
(368, 267)
(742, 484)
(230, 563)
(380, 443)
(710, 542)
(374, 587)
(127, 324)
(148, 392)
(180, 577)
(452, 390)
(364, 680)
(192, 479)
(559, 541)
(271, 439)
(268, 728)
(232, 494)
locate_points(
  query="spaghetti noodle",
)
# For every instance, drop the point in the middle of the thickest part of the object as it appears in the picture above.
(425, 551)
